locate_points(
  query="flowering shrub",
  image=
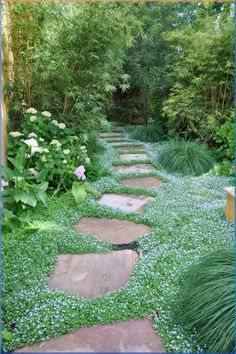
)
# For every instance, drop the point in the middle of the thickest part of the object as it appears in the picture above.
(52, 148)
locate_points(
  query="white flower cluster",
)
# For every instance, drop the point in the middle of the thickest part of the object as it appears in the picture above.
(31, 110)
(59, 125)
(46, 114)
(56, 143)
(33, 118)
(15, 134)
(66, 151)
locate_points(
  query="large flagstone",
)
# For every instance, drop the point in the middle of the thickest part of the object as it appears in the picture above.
(134, 168)
(125, 202)
(126, 336)
(133, 157)
(92, 274)
(112, 230)
(144, 182)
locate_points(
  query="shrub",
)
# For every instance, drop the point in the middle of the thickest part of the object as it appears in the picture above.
(150, 133)
(226, 168)
(186, 157)
(53, 148)
(207, 301)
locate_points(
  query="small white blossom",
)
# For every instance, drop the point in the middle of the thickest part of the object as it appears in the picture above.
(46, 114)
(27, 156)
(31, 110)
(43, 159)
(64, 161)
(32, 135)
(15, 134)
(55, 122)
(45, 150)
(66, 152)
(87, 160)
(56, 143)
(33, 118)
(61, 125)
(31, 142)
(41, 139)
(36, 149)
(33, 171)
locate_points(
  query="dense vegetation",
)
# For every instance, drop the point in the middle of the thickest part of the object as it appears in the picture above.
(72, 69)
(207, 301)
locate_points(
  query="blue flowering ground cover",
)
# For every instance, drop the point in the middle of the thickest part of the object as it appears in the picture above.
(187, 221)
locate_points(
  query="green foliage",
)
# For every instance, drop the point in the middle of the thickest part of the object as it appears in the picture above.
(10, 222)
(78, 62)
(201, 97)
(149, 133)
(22, 189)
(225, 137)
(206, 301)
(226, 168)
(96, 170)
(53, 149)
(186, 157)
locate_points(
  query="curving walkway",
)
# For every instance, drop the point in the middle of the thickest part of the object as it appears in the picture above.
(94, 274)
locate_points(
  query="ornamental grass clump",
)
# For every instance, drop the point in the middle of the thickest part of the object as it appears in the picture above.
(206, 302)
(186, 157)
(149, 133)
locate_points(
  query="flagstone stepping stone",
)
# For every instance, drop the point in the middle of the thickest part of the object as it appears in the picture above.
(133, 156)
(127, 146)
(134, 168)
(145, 182)
(110, 134)
(125, 202)
(92, 274)
(126, 336)
(112, 230)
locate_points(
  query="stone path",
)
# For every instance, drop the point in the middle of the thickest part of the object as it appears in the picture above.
(94, 274)
(125, 202)
(145, 182)
(112, 230)
(126, 336)
(87, 275)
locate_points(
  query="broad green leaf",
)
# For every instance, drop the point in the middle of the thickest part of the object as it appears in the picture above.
(78, 192)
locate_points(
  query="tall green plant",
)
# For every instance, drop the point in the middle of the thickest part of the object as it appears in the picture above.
(207, 299)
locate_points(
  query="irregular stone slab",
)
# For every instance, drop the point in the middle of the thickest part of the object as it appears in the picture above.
(145, 182)
(134, 168)
(92, 274)
(110, 134)
(127, 336)
(127, 146)
(133, 156)
(116, 140)
(112, 230)
(125, 202)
